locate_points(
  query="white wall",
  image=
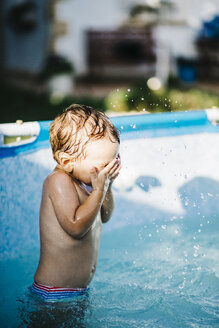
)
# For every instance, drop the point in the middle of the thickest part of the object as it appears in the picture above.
(82, 15)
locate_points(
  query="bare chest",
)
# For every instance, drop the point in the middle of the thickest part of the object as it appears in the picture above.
(83, 191)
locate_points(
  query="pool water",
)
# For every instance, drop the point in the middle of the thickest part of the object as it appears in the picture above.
(159, 274)
(158, 263)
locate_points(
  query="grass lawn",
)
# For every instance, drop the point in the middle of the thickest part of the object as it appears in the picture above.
(19, 104)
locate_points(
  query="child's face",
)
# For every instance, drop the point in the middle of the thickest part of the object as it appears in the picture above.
(98, 153)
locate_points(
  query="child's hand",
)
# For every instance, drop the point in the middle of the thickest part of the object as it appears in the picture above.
(101, 179)
(114, 172)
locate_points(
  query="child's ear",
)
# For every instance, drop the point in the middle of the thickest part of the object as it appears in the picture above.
(66, 162)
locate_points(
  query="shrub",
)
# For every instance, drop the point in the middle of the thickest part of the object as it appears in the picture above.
(140, 97)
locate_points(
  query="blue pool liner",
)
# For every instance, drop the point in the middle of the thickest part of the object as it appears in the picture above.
(147, 125)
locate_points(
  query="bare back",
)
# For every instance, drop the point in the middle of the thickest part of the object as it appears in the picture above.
(65, 261)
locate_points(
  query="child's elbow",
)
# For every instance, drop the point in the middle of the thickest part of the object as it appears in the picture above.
(78, 231)
(77, 235)
(105, 215)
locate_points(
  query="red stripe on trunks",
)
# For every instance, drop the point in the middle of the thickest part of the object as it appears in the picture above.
(54, 289)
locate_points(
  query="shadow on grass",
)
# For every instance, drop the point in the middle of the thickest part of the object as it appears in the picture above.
(16, 103)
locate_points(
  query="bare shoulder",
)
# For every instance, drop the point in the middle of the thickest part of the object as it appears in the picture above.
(59, 182)
(57, 176)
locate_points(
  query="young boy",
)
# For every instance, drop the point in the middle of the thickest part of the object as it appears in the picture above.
(76, 199)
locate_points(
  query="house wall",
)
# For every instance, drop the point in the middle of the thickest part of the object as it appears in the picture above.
(27, 52)
(80, 16)
(176, 36)
(183, 25)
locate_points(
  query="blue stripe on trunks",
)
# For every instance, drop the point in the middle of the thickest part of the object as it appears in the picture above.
(55, 293)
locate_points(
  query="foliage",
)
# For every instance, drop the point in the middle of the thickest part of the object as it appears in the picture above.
(56, 65)
(139, 97)
(16, 103)
(139, 9)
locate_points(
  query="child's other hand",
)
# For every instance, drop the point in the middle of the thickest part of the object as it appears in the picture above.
(114, 172)
(100, 179)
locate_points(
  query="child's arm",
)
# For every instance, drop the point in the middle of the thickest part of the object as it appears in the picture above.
(107, 206)
(74, 218)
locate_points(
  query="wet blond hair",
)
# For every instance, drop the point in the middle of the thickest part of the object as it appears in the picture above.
(75, 127)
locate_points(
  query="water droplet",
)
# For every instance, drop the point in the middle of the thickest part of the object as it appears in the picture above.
(182, 285)
(164, 226)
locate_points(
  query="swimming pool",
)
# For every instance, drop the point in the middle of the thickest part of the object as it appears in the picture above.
(158, 263)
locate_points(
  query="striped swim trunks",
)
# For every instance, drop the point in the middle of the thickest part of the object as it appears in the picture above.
(50, 293)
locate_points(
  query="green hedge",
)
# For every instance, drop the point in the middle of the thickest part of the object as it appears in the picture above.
(139, 97)
(16, 103)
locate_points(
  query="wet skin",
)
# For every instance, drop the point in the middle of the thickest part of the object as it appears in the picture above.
(71, 219)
